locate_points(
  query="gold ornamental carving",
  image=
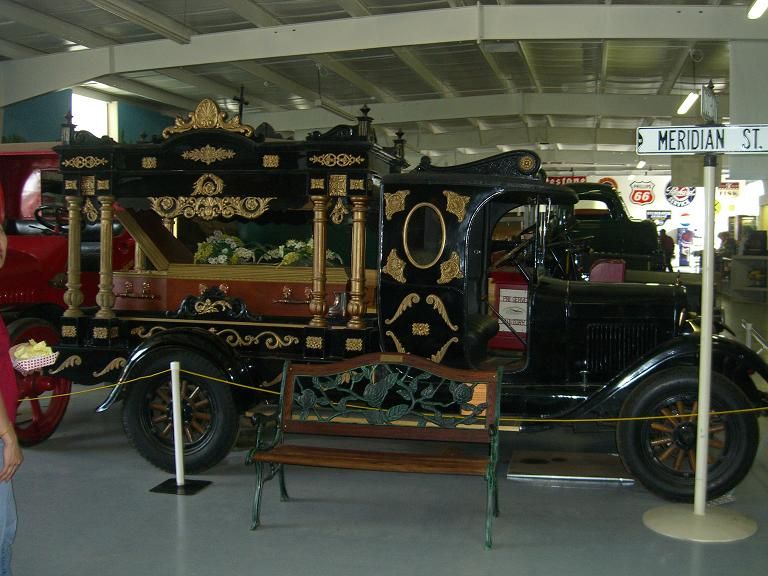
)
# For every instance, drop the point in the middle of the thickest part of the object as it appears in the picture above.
(438, 305)
(450, 269)
(81, 162)
(208, 185)
(208, 154)
(143, 333)
(338, 212)
(68, 362)
(209, 208)
(457, 204)
(420, 329)
(526, 163)
(102, 332)
(356, 184)
(331, 160)
(317, 184)
(91, 214)
(70, 184)
(394, 202)
(102, 184)
(437, 357)
(407, 302)
(353, 344)
(272, 340)
(314, 342)
(115, 364)
(209, 306)
(207, 115)
(149, 162)
(395, 266)
(270, 161)
(88, 184)
(398, 345)
(69, 331)
(337, 185)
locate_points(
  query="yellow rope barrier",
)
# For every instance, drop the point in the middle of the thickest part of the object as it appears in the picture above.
(503, 419)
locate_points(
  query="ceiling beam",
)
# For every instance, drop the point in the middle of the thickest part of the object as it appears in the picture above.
(448, 25)
(604, 105)
(147, 18)
(149, 92)
(13, 50)
(50, 25)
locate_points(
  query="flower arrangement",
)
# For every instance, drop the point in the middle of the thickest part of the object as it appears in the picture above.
(220, 248)
(297, 253)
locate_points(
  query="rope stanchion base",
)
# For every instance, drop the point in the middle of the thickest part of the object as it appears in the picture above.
(717, 525)
(189, 488)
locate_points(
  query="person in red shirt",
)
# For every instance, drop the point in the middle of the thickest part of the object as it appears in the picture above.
(667, 249)
(11, 452)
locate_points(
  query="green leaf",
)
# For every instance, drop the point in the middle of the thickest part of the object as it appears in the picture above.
(397, 412)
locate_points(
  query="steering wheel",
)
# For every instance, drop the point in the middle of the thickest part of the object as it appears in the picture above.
(55, 219)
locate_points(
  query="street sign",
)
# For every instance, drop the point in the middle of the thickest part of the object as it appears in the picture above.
(703, 140)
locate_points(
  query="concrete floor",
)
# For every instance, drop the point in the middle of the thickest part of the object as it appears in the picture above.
(85, 508)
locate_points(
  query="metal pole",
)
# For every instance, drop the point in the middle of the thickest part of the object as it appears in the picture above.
(705, 347)
(178, 439)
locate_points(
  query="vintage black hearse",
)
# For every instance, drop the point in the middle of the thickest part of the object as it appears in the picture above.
(450, 264)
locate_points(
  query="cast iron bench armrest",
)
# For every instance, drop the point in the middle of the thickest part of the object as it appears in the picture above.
(384, 397)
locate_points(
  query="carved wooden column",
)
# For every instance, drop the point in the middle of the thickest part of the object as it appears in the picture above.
(105, 298)
(356, 305)
(73, 297)
(317, 304)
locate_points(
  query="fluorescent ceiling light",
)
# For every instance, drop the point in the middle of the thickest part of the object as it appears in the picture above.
(688, 102)
(640, 165)
(757, 9)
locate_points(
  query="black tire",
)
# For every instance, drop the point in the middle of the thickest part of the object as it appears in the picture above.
(210, 416)
(661, 453)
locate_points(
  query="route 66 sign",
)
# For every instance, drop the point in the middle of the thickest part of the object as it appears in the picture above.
(641, 193)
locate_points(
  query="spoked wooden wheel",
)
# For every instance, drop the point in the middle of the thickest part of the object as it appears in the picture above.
(209, 417)
(661, 451)
(673, 439)
(43, 399)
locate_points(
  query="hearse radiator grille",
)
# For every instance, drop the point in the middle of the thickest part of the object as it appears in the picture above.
(611, 347)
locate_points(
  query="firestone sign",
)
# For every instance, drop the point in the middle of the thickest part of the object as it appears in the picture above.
(703, 140)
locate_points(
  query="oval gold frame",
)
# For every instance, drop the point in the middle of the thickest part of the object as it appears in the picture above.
(407, 249)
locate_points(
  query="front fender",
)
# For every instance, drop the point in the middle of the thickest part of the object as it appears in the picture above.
(202, 342)
(729, 357)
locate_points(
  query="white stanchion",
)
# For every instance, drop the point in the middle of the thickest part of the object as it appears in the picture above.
(178, 438)
(679, 521)
(180, 485)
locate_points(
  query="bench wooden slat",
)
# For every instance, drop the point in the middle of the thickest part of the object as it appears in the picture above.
(377, 461)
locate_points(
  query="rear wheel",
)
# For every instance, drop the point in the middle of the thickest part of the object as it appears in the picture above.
(661, 453)
(43, 399)
(210, 419)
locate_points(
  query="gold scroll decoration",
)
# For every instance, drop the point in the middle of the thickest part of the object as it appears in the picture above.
(457, 204)
(394, 202)
(437, 357)
(450, 269)
(338, 212)
(208, 185)
(407, 302)
(115, 364)
(208, 116)
(68, 362)
(395, 266)
(81, 162)
(438, 305)
(210, 208)
(331, 160)
(91, 214)
(272, 340)
(208, 154)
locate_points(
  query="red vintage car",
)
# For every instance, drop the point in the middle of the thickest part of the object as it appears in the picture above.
(33, 280)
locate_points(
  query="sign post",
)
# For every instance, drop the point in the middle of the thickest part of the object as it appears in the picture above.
(676, 520)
